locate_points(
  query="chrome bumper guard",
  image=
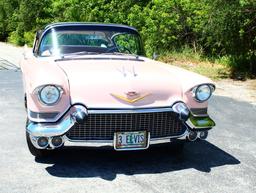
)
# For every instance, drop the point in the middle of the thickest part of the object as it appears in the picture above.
(50, 129)
(55, 129)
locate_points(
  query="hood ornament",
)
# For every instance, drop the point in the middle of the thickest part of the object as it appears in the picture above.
(131, 96)
(125, 72)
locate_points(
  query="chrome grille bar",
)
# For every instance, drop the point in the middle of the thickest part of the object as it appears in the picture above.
(102, 126)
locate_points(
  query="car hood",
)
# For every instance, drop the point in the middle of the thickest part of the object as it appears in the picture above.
(122, 83)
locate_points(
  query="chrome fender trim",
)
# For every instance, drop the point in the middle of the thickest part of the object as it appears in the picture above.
(55, 129)
(50, 129)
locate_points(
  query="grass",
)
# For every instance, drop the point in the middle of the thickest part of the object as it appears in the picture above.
(216, 68)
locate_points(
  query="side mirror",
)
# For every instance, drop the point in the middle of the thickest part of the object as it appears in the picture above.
(155, 56)
(36, 40)
(38, 34)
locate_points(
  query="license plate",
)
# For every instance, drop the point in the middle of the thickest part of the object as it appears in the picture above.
(131, 140)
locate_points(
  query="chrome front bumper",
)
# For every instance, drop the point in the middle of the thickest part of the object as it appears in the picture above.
(50, 129)
(60, 128)
(102, 143)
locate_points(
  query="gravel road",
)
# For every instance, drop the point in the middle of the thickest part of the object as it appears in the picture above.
(225, 163)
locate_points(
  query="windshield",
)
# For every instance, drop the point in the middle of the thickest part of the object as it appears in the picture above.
(77, 41)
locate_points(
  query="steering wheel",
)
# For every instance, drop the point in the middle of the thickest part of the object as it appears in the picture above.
(119, 48)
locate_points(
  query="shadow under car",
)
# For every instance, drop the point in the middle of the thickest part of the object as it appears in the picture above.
(87, 162)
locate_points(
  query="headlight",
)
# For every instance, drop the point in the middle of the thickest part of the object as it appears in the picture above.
(203, 92)
(49, 94)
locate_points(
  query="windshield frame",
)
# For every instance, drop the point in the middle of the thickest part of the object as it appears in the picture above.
(90, 27)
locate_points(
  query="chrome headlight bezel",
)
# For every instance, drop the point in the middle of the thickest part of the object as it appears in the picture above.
(41, 90)
(196, 91)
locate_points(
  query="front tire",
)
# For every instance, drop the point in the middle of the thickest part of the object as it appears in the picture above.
(33, 150)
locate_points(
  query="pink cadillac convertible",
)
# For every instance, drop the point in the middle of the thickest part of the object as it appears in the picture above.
(90, 84)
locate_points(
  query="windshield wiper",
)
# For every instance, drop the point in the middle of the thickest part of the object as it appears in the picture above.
(63, 57)
(79, 53)
(120, 54)
(108, 51)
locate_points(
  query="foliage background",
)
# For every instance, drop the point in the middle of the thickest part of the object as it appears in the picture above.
(213, 29)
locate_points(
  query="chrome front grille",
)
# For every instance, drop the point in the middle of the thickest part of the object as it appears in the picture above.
(103, 126)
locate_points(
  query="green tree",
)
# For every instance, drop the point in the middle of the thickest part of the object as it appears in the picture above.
(214, 28)
(7, 13)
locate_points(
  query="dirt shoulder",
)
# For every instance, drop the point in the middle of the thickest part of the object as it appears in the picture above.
(238, 90)
(10, 53)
